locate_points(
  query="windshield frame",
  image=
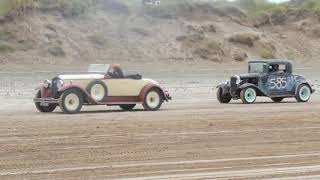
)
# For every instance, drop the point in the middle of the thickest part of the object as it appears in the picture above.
(99, 68)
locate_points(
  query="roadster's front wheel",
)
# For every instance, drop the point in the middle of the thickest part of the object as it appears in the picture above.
(304, 93)
(44, 109)
(224, 99)
(127, 107)
(248, 95)
(153, 100)
(71, 101)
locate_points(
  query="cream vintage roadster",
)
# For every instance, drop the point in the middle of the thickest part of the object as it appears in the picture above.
(103, 84)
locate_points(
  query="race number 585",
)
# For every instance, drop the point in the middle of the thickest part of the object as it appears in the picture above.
(278, 83)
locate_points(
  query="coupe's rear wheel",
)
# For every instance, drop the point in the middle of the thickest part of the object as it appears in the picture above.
(248, 95)
(71, 101)
(223, 98)
(153, 100)
(44, 109)
(127, 107)
(277, 99)
(304, 93)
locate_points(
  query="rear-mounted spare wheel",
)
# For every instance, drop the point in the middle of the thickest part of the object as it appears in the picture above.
(97, 90)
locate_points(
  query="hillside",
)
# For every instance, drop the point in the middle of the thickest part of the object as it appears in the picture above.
(56, 33)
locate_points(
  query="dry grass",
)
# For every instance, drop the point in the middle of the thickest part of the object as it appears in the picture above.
(266, 53)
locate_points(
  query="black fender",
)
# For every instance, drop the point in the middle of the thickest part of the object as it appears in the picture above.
(225, 88)
(259, 91)
(296, 86)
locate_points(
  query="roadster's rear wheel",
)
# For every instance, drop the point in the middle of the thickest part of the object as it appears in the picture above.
(224, 99)
(248, 95)
(153, 100)
(44, 109)
(127, 107)
(71, 101)
(304, 93)
(277, 99)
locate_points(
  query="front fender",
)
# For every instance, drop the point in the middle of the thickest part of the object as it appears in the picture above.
(225, 88)
(246, 85)
(85, 93)
(146, 88)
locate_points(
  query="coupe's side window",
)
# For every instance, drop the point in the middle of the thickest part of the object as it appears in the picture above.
(277, 68)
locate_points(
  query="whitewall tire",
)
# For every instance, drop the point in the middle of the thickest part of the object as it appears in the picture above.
(303, 93)
(248, 95)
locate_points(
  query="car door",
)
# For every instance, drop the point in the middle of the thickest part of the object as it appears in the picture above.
(280, 84)
(124, 87)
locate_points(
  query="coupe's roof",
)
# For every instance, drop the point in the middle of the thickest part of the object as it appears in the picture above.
(272, 61)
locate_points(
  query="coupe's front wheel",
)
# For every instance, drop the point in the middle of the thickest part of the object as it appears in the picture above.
(152, 100)
(127, 107)
(304, 93)
(45, 109)
(71, 101)
(224, 99)
(248, 95)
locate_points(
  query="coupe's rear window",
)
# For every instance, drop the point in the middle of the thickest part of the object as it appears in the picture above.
(257, 67)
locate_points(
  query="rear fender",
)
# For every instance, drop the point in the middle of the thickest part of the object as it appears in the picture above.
(259, 91)
(295, 88)
(147, 87)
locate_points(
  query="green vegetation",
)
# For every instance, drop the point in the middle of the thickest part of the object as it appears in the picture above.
(260, 7)
(98, 39)
(6, 6)
(69, 8)
(313, 5)
(56, 51)
(6, 47)
(266, 53)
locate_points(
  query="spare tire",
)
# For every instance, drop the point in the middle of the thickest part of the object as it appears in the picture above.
(97, 90)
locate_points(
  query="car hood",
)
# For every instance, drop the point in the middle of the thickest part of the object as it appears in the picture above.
(81, 76)
(249, 75)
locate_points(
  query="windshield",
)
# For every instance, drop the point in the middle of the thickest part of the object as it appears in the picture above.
(99, 68)
(257, 67)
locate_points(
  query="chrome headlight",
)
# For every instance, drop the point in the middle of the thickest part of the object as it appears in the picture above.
(238, 80)
(47, 83)
(60, 83)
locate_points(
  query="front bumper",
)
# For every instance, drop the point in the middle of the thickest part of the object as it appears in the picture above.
(46, 100)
